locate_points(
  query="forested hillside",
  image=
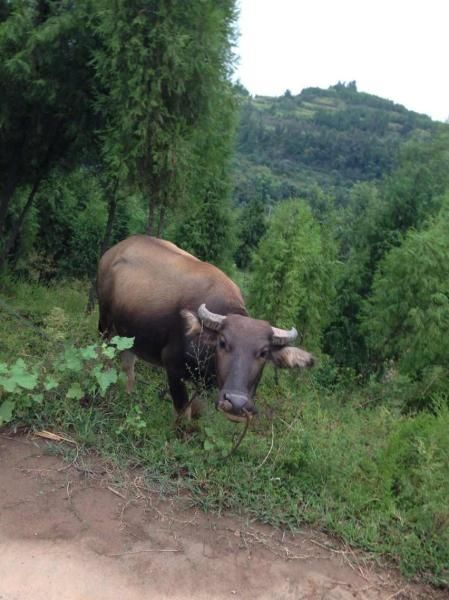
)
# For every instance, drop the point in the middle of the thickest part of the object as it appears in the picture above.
(332, 138)
(330, 209)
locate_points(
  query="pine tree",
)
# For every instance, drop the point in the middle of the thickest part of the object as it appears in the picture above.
(158, 66)
(294, 273)
(406, 320)
(203, 223)
(252, 226)
(46, 102)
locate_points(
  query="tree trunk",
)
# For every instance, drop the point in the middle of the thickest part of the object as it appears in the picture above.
(18, 224)
(112, 210)
(151, 212)
(160, 225)
(7, 194)
(12, 178)
(154, 188)
(40, 175)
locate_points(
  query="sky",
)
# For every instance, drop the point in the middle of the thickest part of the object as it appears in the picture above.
(396, 49)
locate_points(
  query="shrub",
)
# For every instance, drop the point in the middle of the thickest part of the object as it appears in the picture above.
(406, 320)
(294, 273)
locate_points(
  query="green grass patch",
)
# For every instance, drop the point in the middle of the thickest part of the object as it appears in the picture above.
(371, 476)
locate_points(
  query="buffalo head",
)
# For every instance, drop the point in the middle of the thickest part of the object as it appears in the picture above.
(242, 348)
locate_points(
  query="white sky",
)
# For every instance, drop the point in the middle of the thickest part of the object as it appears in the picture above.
(397, 49)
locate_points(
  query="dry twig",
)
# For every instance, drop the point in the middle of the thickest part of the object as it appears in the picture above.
(397, 593)
(269, 451)
(116, 492)
(54, 437)
(148, 550)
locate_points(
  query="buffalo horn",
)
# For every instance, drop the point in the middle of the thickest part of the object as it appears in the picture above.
(211, 320)
(282, 337)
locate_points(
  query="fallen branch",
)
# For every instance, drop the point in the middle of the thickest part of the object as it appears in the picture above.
(148, 550)
(397, 593)
(116, 492)
(54, 437)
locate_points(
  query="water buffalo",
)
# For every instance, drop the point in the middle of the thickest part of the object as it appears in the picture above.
(188, 316)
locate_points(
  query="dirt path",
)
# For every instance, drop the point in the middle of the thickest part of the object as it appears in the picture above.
(70, 534)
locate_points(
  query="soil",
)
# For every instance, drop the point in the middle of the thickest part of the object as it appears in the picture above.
(83, 531)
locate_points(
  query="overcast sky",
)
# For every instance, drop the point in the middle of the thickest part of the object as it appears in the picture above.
(397, 49)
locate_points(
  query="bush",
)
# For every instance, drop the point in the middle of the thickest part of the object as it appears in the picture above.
(23, 387)
(71, 216)
(415, 469)
(294, 273)
(406, 320)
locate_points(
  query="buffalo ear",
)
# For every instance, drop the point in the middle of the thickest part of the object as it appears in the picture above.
(289, 357)
(194, 328)
(191, 323)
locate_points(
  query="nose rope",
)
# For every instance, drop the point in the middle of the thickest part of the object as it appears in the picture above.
(242, 435)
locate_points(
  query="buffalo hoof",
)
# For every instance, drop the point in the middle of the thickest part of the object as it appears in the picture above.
(185, 430)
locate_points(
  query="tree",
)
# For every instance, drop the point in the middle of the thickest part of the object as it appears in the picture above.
(157, 67)
(406, 320)
(376, 220)
(359, 238)
(70, 219)
(416, 187)
(207, 230)
(46, 101)
(294, 273)
(252, 227)
(203, 223)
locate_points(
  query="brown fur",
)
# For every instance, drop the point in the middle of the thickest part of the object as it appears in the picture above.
(151, 290)
(131, 271)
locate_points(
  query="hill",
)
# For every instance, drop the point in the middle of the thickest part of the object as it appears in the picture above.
(332, 138)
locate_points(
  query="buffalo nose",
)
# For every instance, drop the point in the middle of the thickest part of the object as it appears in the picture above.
(237, 403)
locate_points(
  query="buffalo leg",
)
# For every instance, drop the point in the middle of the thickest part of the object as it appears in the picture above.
(128, 359)
(105, 323)
(179, 395)
(173, 361)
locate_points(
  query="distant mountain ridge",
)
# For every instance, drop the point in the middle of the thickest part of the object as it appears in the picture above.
(332, 138)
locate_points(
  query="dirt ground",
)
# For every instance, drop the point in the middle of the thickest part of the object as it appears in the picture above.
(81, 532)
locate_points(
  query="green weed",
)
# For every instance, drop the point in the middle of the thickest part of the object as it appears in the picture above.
(323, 450)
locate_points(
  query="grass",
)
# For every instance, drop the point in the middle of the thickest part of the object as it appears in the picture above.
(371, 476)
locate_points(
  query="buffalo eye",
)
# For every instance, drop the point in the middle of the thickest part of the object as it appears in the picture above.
(222, 343)
(263, 353)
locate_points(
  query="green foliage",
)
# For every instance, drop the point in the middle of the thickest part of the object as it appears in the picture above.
(333, 138)
(206, 231)
(203, 223)
(71, 217)
(327, 456)
(414, 467)
(134, 96)
(252, 227)
(158, 67)
(294, 273)
(44, 382)
(215, 442)
(375, 221)
(358, 232)
(415, 189)
(406, 319)
(46, 112)
(17, 376)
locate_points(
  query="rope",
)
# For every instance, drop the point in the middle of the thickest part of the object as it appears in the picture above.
(242, 435)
